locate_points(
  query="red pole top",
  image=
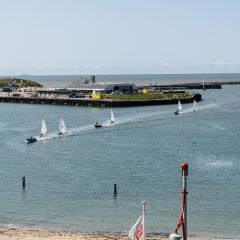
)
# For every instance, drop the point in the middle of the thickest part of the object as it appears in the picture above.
(184, 169)
(184, 166)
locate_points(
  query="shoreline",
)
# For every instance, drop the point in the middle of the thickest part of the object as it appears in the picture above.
(17, 233)
(14, 233)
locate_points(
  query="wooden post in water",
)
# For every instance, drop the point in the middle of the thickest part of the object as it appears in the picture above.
(115, 189)
(23, 182)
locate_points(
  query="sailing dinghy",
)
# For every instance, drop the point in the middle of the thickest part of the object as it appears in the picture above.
(62, 127)
(43, 128)
(112, 117)
(179, 108)
(195, 105)
(42, 133)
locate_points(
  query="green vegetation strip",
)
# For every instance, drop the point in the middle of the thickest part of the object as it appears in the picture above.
(150, 96)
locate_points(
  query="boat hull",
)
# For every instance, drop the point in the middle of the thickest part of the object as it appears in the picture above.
(31, 140)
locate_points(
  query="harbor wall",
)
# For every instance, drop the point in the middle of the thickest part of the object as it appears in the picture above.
(198, 85)
(97, 103)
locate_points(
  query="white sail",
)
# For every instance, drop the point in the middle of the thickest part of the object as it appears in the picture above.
(112, 117)
(179, 109)
(62, 127)
(43, 128)
(195, 105)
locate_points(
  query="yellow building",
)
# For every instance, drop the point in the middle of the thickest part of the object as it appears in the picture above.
(96, 95)
(146, 90)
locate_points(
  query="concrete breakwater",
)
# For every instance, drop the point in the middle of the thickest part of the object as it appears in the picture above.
(194, 85)
(98, 103)
(197, 85)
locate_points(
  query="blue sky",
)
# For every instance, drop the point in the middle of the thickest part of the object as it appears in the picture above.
(119, 37)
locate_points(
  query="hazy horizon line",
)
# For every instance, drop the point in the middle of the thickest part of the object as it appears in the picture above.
(119, 74)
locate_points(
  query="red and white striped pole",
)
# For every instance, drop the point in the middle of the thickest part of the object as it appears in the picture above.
(182, 222)
(143, 216)
(184, 174)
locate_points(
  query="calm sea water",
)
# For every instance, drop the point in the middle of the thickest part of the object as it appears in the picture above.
(141, 79)
(69, 180)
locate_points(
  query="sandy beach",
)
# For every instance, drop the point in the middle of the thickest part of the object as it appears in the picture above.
(28, 234)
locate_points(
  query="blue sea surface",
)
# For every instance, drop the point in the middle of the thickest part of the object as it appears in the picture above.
(69, 179)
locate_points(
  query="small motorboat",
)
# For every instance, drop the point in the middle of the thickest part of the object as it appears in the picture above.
(176, 112)
(31, 140)
(97, 125)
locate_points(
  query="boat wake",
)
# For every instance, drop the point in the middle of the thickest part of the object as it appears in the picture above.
(119, 121)
(200, 108)
(72, 131)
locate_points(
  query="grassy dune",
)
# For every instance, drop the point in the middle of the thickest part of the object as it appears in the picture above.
(16, 82)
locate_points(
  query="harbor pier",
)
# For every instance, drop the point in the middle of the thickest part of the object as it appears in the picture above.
(96, 102)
